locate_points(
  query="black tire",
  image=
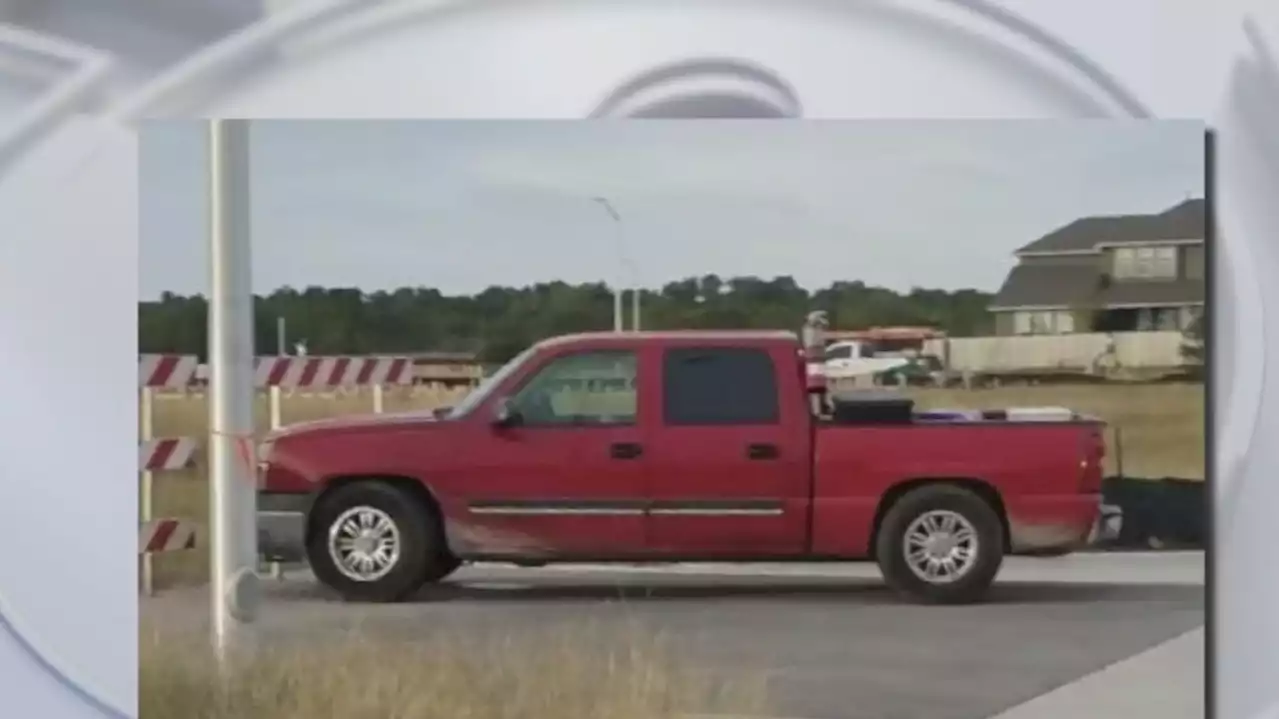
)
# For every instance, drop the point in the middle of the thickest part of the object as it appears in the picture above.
(418, 542)
(1049, 553)
(972, 585)
(442, 566)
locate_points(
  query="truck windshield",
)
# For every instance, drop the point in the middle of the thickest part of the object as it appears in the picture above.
(482, 391)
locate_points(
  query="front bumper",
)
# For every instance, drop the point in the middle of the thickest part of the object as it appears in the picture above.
(282, 526)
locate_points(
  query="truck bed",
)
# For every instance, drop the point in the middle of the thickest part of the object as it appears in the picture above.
(1034, 468)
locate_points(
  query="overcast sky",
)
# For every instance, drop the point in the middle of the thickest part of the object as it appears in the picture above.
(463, 205)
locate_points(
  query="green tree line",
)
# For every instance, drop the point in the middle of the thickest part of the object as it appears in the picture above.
(500, 321)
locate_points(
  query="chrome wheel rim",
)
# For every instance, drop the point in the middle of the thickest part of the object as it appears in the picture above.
(941, 546)
(364, 544)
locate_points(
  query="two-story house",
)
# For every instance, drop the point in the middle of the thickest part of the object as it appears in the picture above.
(1108, 274)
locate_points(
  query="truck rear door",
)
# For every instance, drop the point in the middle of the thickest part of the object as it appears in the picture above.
(728, 454)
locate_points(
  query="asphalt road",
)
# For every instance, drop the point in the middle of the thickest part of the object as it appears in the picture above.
(831, 641)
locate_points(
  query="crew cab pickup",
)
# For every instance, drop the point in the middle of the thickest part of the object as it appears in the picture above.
(676, 447)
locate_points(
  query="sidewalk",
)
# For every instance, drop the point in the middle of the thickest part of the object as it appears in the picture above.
(1165, 682)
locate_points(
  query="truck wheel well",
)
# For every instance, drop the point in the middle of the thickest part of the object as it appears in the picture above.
(419, 491)
(988, 493)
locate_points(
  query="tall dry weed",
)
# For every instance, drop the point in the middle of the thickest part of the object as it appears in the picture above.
(558, 673)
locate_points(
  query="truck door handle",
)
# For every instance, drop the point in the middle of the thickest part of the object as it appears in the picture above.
(762, 451)
(625, 450)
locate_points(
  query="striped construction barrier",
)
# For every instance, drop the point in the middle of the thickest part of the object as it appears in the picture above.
(326, 372)
(166, 535)
(166, 454)
(170, 372)
(178, 372)
(165, 373)
(161, 373)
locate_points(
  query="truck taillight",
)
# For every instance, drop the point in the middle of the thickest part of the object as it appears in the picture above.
(1095, 450)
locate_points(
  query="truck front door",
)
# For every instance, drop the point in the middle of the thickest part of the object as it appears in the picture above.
(567, 478)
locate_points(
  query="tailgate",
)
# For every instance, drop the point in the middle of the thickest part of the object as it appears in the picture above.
(1092, 455)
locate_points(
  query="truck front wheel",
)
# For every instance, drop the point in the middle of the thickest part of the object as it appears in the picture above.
(940, 544)
(372, 543)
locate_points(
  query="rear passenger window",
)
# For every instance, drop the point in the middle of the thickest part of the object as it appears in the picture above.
(719, 386)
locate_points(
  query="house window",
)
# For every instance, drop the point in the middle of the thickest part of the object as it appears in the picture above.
(1187, 316)
(1144, 262)
(1041, 323)
(1147, 263)
(1164, 264)
(1157, 319)
(1124, 262)
(1034, 323)
(1064, 323)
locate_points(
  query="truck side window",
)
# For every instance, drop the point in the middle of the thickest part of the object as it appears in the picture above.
(719, 386)
(583, 388)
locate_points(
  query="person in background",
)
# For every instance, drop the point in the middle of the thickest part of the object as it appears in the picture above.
(813, 337)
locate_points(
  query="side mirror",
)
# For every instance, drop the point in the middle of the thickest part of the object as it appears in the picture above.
(504, 414)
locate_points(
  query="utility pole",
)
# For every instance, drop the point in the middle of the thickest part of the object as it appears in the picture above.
(617, 309)
(233, 585)
(625, 264)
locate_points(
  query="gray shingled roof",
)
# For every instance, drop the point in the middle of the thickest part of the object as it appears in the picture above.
(1032, 285)
(1183, 221)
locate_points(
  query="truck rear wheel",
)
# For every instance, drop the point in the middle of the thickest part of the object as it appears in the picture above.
(372, 543)
(940, 544)
(442, 566)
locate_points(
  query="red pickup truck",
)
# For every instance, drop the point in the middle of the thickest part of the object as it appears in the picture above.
(675, 447)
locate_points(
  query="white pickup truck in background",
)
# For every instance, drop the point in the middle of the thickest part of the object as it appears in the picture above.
(848, 359)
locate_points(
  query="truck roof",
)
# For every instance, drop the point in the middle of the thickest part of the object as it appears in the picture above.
(746, 336)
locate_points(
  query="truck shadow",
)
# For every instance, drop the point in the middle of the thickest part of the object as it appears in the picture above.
(849, 592)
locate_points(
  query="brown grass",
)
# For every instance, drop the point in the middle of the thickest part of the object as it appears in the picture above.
(1160, 429)
(555, 674)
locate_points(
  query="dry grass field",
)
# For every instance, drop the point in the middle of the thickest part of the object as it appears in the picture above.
(1159, 428)
(560, 673)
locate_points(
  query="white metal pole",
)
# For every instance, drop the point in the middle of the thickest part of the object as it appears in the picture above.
(274, 410)
(275, 402)
(275, 413)
(275, 418)
(619, 310)
(232, 467)
(635, 307)
(146, 502)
